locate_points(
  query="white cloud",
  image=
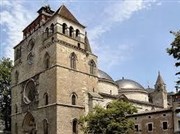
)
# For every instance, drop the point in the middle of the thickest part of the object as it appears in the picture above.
(116, 12)
(14, 17)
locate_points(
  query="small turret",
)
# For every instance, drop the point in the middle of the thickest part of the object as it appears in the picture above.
(159, 96)
(160, 85)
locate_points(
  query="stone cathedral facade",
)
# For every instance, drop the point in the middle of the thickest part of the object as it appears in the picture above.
(55, 80)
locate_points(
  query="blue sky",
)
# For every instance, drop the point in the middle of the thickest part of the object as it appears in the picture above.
(129, 37)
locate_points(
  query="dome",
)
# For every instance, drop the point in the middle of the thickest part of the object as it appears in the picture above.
(129, 84)
(103, 75)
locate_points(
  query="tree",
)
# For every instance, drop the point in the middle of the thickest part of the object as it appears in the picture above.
(5, 92)
(174, 50)
(109, 121)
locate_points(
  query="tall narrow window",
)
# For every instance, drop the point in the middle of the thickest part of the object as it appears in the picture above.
(75, 127)
(92, 65)
(165, 126)
(52, 28)
(71, 30)
(73, 59)
(46, 99)
(136, 128)
(16, 108)
(47, 31)
(31, 45)
(150, 127)
(64, 27)
(73, 99)
(16, 77)
(77, 32)
(46, 61)
(45, 126)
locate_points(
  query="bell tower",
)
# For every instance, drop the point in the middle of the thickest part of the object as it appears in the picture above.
(160, 93)
(54, 71)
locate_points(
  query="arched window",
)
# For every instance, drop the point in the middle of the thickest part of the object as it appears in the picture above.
(46, 99)
(73, 59)
(73, 99)
(16, 108)
(30, 58)
(79, 45)
(71, 30)
(31, 44)
(47, 31)
(29, 124)
(46, 61)
(77, 32)
(92, 65)
(52, 28)
(16, 77)
(45, 126)
(64, 27)
(75, 126)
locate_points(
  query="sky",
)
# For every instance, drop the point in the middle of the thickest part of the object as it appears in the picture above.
(129, 37)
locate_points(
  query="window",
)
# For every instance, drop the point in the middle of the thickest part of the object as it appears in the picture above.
(77, 32)
(73, 99)
(16, 77)
(52, 28)
(64, 27)
(46, 99)
(52, 39)
(136, 128)
(165, 126)
(30, 58)
(79, 45)
(16, 108)
(74, 126)
(17, 53)
(73, 59)
(92, 67)
(150, 127)
(71, 30)
(47, 31)
(30, 92)
(45, 126)
(46, 61)
(179, 124)
(31, 45)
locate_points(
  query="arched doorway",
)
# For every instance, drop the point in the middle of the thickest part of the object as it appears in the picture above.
(29, 124)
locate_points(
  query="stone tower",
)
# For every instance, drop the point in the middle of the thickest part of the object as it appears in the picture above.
(53, 73)
(160, 93)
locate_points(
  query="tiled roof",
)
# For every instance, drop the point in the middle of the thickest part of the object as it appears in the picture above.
(65, 13)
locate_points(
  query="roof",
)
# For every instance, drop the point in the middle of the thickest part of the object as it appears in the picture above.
(165, 110)
(104, 75)
(86, 40)
(129, 84)
(159, 80)
(95, 95)
(65, 13)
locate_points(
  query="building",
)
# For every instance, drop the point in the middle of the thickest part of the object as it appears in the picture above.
(55, 80)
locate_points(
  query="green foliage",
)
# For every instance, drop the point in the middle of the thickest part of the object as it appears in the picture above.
(175, 52)
(109, 121)
(5, 92)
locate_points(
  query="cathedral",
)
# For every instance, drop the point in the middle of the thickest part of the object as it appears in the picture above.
(55, 80)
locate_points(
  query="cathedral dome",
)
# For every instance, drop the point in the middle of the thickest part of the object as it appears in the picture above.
(103, 75)
(129, 84)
